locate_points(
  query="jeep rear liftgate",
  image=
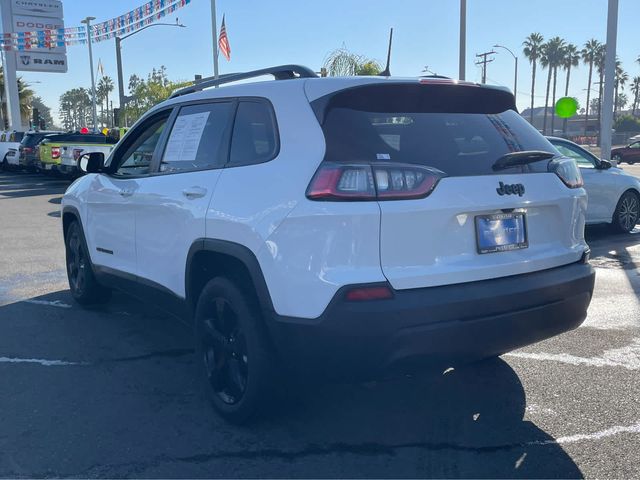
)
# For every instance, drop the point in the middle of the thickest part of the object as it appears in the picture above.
(468, 190)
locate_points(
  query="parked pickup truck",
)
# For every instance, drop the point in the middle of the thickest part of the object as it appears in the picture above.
(71, 155)
(54, 147)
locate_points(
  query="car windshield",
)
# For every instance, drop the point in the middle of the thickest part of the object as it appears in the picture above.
(429, 126)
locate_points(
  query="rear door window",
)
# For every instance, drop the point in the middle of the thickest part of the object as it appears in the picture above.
(255, 137)
(198, 138)
(460, 131)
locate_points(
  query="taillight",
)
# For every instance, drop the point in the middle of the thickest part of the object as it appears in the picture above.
(568, 171)
(362, 294)
(55, 152)
(379, 181)
(27, 149)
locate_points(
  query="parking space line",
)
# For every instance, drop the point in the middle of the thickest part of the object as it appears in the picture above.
(581, 437)
(627, 357)
(44, 363)
(54, 303)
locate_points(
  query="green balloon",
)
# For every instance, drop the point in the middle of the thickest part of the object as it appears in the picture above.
(566, 107)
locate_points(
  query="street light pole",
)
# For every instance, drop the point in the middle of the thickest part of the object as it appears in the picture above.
(463, 40)
(606, 118)
(515, 79)
(122, 98)
(87, 21)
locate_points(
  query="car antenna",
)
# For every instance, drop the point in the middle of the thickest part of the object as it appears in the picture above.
(386, 72)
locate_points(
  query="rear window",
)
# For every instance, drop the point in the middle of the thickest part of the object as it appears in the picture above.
(32, 139)
(458, 130)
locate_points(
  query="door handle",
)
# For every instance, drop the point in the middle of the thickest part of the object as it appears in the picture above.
(194, 192)
(126, 193)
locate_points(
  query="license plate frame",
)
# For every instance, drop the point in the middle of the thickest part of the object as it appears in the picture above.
(514, 222)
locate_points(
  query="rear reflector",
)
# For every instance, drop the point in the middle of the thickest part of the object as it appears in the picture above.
(377, 181)
(362, 294)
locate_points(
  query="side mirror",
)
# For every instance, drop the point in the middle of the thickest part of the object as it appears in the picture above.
(91, 162)
(604, 165)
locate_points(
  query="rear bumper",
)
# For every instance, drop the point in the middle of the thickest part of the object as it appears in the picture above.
(69, 170)
(437, 326)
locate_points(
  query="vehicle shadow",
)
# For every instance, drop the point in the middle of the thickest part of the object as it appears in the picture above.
(130, 377)
(29, 185)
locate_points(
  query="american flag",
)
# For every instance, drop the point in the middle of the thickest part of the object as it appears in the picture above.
(223, 42)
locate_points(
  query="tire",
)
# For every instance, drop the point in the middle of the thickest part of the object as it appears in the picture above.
(617, 157)
(235, 361)
(5, 165)
(84, 287)
(627, 212)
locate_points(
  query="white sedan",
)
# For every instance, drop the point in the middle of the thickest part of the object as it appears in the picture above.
(614, 195)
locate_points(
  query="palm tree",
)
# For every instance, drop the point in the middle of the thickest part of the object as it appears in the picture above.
(550, 59)
(342, 62)
(621, 79)
(105, 87)
(533, 50)
(588, 57)
(558, 57)
(101, 94)
(571, 59)
(635, 89)
(25, 94)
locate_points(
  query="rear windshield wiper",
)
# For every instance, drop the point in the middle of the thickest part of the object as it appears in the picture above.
(521, 158)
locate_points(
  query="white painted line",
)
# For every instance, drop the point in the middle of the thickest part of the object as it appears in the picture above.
(54, 303)
(44, 363)
(626, 357)
(581, 437)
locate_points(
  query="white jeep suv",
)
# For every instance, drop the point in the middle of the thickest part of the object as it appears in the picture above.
(335, 225)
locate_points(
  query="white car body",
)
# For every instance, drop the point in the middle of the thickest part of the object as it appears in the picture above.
(71, 153)
(308, 200)
(604, 187)
(9, 149)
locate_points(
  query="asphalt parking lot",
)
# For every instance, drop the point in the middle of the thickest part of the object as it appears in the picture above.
(109, 392)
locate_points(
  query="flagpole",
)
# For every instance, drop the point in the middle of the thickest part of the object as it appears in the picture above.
(214, 28)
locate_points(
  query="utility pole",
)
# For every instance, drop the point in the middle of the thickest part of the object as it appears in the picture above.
(484, 62)
(463, 39)
(121, 98)
(10, 77)
(214, 28)
(609, 80)
(87, 21)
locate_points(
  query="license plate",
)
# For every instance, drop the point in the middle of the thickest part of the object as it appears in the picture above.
(48, 167)
(501, 232)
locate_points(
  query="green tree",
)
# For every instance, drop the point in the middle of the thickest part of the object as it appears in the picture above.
(342, 63)
(599, 62)
(25, 94)
(571, 59)
(635, 89)
(621, 79)
(533, 50)
(148, 93)
(105, 87)
(43, 111)
(626, 123)
(589, 53)
(75, 108)
(551, 59)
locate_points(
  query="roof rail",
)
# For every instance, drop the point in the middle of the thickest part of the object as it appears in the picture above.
(282, 72)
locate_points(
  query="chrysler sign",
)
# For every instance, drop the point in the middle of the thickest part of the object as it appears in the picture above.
(37, 8)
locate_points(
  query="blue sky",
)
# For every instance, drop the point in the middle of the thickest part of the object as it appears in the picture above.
(272, 32)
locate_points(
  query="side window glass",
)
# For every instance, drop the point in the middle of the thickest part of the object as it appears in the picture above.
(197, 139)
(136, 159)
(254, 134)
(580, 158)
(635, 145)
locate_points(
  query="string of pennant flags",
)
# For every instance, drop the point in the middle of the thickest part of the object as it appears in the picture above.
(134, 20)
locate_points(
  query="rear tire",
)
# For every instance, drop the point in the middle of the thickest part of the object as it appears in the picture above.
(234, 357)
(617, 158)
(627, 212)
(5, 165)
(84, 287)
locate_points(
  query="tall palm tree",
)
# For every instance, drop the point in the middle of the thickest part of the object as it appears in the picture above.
(533, 50)
(550, 59)
(588, 57)
(571, 59)
(621, 79)
(25, 94)
(107, 87)
(635, 89)
(100, 96)
(558, 56)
